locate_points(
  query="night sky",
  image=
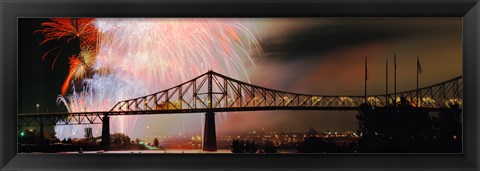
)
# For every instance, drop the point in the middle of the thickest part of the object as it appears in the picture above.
(38, 83)
(322, 56)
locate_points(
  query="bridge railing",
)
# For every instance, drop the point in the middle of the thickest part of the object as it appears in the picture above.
(60, 118)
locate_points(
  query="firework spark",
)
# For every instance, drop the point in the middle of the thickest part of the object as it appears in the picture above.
(77, 71)
(70, 28)
(136, 57)
(82, 29)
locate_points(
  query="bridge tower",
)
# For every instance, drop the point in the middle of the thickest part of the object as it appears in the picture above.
(106, 132)
(209, 134)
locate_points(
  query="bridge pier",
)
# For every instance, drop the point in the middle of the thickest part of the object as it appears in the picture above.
(209, 134)
(106, 132)
(42, 130)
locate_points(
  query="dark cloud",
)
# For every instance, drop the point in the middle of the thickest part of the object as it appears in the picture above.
(328, 58)
(318, 39)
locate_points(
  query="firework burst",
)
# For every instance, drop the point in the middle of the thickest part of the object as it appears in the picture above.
(69, 28)
(136, 57)
(82, 29)
(77, 71)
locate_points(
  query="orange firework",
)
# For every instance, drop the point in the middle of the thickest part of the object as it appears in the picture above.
(77, 69)
(70, 28)
(82, 29)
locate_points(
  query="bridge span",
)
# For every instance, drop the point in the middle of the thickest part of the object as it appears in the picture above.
(213, 92)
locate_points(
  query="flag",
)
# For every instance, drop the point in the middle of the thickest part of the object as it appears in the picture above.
(419, 66)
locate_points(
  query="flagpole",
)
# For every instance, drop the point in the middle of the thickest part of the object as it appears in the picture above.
(365, 79)
(386, 82)
(418, 98)
(395, 78)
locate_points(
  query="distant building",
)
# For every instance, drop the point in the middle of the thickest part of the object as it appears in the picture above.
(312, 132)
(88, 133)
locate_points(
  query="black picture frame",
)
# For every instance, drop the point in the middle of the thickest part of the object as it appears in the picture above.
(469, 10)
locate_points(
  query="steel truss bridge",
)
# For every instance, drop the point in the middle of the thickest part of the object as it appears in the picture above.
(213, 92)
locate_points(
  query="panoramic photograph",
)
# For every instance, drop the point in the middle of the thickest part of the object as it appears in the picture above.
(240, 85)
